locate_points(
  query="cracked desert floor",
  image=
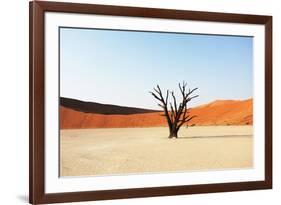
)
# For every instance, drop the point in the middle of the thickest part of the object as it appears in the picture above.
(114, 151)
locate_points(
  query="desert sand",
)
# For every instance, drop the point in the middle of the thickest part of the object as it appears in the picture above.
(113, 151)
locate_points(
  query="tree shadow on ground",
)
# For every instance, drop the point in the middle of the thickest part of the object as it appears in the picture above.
(219, 136)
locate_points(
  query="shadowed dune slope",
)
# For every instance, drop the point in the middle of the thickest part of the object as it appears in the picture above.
(95, 115)
(98, 108)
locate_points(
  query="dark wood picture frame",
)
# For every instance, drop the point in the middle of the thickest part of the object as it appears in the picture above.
(37, 193)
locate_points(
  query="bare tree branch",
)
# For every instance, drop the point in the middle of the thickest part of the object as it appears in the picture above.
(163, 103)
(167, 97)
(175, 103)
(186, 120)
(178, 115)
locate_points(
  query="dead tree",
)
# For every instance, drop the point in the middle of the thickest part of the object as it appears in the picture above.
(178, 114)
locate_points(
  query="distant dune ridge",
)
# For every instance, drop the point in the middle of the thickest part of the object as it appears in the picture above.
(75, 114)
(98, 108)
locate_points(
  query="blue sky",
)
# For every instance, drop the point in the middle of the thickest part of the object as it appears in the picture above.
(121, 67)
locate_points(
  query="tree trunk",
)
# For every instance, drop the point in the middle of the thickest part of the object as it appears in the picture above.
(173, 133)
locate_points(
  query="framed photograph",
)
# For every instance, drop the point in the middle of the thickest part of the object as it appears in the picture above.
(132, 102)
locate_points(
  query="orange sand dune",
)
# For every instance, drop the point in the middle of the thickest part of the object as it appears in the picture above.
(224, 112)
(220, 112)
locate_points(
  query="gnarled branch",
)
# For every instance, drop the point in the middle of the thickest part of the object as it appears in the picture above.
(177, 115)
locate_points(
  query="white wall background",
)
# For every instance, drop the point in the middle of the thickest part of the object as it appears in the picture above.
(14, 100)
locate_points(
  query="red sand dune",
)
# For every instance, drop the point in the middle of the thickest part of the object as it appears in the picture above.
(224, 112)
(220, 112)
